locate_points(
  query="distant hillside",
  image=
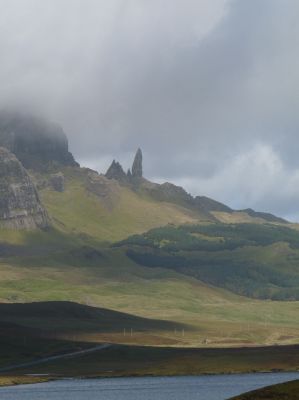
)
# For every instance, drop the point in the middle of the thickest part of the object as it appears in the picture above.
(81, 201)
(121, 242)
(208, 209)
(105, 210)
(256, 260)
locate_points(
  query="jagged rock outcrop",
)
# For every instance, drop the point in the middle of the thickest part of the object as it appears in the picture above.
(168, 192)
(57, 182)
(20, 206)
(208, 205)
(206, 208)
(38, 144)
(137, 165)
(107, 190)
(132, 177)
(265, 216)
(115, 171)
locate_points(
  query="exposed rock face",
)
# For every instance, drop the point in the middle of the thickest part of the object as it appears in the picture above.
(169, 192)
(38, 144)
(106, 189)
(57, 182)
(266, 216)
(115, 171)
(206, 204)
(20, 207)
(137, 165)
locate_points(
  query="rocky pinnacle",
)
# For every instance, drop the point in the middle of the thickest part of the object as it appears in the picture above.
(137, 165)
(115, 171)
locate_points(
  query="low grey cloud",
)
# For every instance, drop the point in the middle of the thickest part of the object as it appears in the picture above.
(208, 89)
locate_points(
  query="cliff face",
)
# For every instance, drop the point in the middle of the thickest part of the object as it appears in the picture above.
(38, 144)
(20, 207)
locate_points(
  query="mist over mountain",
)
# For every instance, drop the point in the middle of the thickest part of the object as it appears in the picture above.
(210, 84)
(149, 191)
(35, 156)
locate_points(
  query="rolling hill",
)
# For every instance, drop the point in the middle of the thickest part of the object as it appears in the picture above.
(121, 242)
(255, 260)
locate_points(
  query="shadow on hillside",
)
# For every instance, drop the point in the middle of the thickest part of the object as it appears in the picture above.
(62, 316)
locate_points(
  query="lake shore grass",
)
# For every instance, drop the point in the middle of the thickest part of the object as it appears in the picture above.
(152, 347)
(22, 380)
(283, 391)
(126, 361)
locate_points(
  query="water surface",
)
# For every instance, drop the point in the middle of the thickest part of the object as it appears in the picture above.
(214, 387)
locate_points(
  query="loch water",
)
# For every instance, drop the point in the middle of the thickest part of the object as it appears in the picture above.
(212, 387)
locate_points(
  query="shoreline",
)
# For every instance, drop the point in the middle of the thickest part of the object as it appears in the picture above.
(25, 379)
(119, 361)
(16, 380)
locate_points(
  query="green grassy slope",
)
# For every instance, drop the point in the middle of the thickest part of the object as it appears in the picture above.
(108, 211)
(108, 278)
(74, 261)
(255, 260)
(103, 209)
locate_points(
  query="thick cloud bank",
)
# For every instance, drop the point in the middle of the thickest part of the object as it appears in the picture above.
(208, 89)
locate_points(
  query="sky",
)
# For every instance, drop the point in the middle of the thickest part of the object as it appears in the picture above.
(208, 89)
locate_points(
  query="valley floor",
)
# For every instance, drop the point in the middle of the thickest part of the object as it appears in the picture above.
(201, 314)
(124, 361)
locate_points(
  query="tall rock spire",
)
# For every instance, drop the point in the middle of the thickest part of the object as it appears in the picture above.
(137, 165)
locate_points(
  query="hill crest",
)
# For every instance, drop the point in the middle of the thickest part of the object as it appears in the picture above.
(117, 201)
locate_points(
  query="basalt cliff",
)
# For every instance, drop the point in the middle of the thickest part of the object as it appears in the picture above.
(20, 206)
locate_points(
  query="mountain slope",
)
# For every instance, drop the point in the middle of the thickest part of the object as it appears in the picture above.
(107, 278)
(182, 263)
(105, 210)
(109, 207)
(256, 260)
